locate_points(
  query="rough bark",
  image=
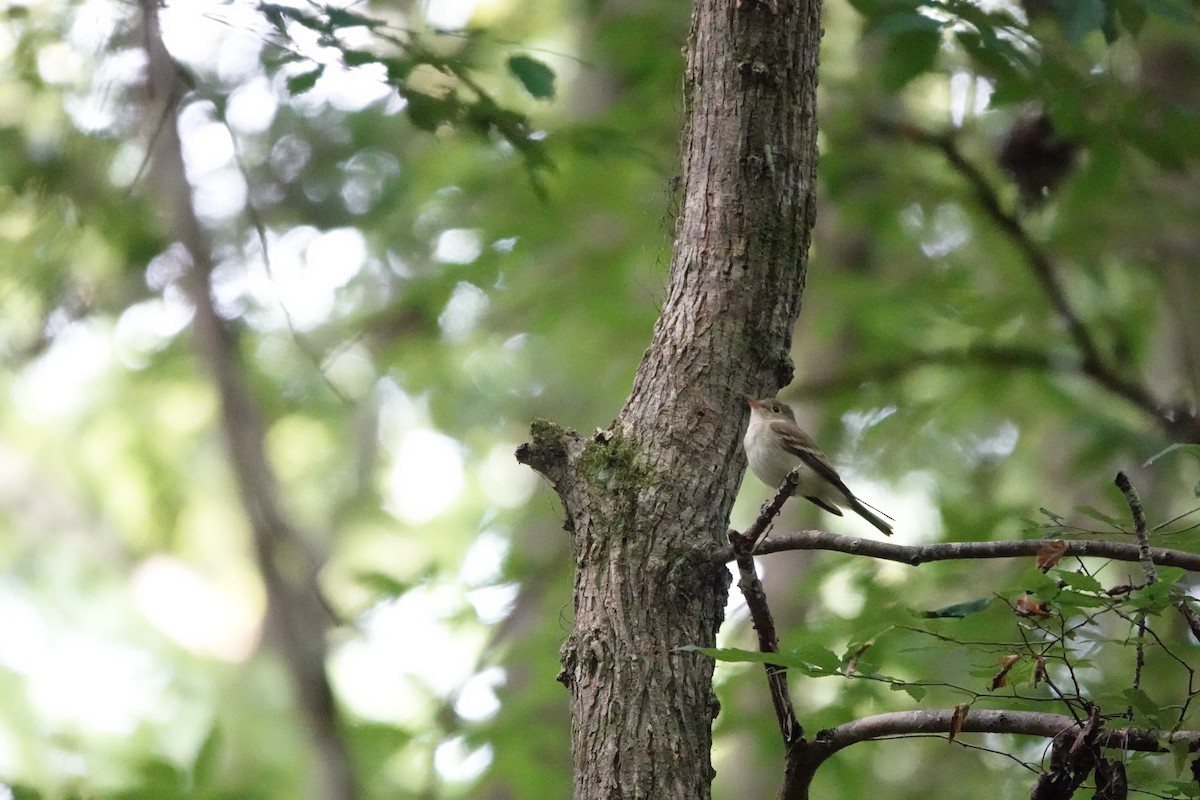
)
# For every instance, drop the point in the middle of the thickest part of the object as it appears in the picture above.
(648, 500)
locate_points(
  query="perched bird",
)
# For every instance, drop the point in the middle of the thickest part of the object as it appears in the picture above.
(775, 445)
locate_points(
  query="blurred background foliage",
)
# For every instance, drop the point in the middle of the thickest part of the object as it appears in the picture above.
(436, 222)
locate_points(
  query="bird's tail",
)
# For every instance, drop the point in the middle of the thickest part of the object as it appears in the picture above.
(872, 515)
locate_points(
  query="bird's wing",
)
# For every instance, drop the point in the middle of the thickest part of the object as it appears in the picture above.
(800, 444)
(830, 507)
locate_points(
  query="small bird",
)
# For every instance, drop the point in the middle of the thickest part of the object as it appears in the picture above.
(775, 445)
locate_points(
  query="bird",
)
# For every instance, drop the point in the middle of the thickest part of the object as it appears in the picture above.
(775, 445)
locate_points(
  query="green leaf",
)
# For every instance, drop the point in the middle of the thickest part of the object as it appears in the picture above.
(384, 584)
(1178, 12)
(734, 655)
(1077, 580)
(1078, 18)
(1155, 598)
(206, 767)
(1181, 754)
(1100, 175)
(820, 658)
(1056, 518)
(398, 69)
(908, 55)
(1140, 700)
(1007, 66)
(427, 112)
(356, 58)
(534, 75)
(1178, 788)
(301, 83)
(341, 18)
(1194, 449)
(915, 692)
(1170, 576)
(1164, 150)
(278, 15)
(813, 661)
(1033, 580)
(1070, 599)
(912, 20)
(1132, 14)
(958, 610)
(1100, 516)
(875, 8)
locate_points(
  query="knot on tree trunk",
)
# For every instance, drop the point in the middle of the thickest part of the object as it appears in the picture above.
(552, 450)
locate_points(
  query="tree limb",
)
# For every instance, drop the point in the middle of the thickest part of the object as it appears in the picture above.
(768, 640)
(985, 355)
(827, 742)
(914, 555)
(760, 612)
(1179, 422)
(1145, 555)
(296, 616)
(1148, 569)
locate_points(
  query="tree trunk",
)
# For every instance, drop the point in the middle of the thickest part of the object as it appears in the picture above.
(296, 619)
(648, 499)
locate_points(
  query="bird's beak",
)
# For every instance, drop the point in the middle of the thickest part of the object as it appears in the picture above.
(752, 402)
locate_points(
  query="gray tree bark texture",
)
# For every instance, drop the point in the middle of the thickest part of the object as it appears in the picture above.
(648, 500)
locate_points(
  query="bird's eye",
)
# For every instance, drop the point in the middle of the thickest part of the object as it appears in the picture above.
(776, 408)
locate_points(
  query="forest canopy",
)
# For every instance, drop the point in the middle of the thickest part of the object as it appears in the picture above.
(268, 519)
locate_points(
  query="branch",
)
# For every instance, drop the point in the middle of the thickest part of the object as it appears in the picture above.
(1178, 422)
(1145, 555)
(985, 355)
(1072, 757)
(769, 511)
(1190, 615)
(760, 612)
(1148, 569)
(914, 555)
(768, 642)
(551, 452)
(296, 616)
(1037, 259)
(1028, 723)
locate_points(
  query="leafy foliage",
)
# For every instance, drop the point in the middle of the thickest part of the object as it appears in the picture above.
(454, 97)
(414, 270)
